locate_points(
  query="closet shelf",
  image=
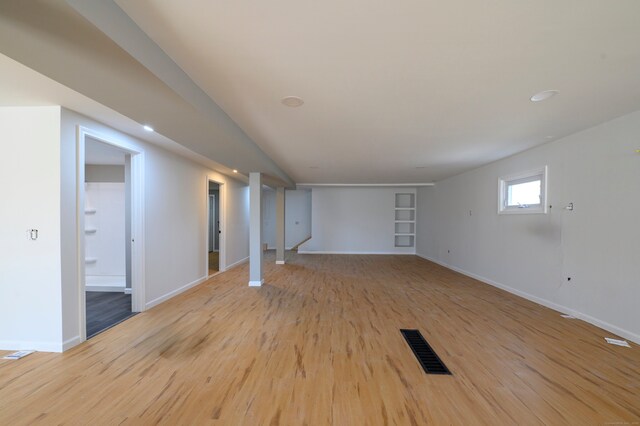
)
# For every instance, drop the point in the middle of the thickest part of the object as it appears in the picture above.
(405, 219)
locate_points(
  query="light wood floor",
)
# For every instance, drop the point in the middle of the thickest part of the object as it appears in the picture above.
(319, 344)
(214, 262)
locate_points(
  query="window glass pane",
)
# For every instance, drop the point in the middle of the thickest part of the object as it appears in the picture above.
(521, 194)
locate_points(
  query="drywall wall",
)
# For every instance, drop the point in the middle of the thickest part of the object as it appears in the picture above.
(105, 229)
(175, 224)
(354, 220)
(297, 217)
(103, 173)
(597, 244)
(269, 218)
(30, 287)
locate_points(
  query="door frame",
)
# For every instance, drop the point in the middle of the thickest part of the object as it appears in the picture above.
(137, 221)
(222, 261)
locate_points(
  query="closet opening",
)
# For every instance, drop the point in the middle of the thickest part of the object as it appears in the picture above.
(107, 217)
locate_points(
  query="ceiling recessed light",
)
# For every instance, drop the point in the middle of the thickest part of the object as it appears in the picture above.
(292, 101)
(147, 128)
(235, 171)
(544, 95)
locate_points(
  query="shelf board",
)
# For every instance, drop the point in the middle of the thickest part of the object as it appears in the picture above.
(90, 231)
(405, 208)
(90, 260)
(89, 211)
(405, 235)
(405, 221)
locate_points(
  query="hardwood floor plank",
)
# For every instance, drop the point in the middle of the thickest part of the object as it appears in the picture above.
(320, 344)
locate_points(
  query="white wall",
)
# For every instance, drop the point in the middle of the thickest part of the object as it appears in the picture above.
(354, 220)
(297, 216)
(269, 218)
(597, 244)
(30, 287)
(107, 244)
(175, 207)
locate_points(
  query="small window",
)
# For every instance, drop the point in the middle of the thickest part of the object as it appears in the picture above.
(524, 193)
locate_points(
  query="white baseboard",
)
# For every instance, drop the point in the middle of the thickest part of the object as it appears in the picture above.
(279, 262)
(186, 287)
(256, 283)
(411, 253)
(68, 344)
(18, 345)
(544, 302)
(173, 293)
(25, 345)
(238, 263)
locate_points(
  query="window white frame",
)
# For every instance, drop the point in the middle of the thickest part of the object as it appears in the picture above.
(505, 182)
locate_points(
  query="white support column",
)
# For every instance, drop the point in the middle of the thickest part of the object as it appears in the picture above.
(280, 237)
(255, 230)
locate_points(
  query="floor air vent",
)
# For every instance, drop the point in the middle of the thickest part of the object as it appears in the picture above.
(429, 360)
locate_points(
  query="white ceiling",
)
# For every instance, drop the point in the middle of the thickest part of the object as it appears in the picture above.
(393, 86)
(22, 86)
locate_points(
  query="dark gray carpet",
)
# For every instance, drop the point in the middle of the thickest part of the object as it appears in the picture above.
(106, 309)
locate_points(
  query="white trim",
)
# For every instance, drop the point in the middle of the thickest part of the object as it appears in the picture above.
(408, 253)
(256, 283)
(238, 263)
(311, 185)
(279, 262)
(107, 288)
(175, 292)
(544, 302)
(69, 343)
(19, 345)
(503, 182)
(137, 221)
(128, 291)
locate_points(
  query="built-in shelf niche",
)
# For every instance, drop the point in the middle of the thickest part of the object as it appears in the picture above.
(405, 201)
(405, 215)
(405, 219)
(404, 240)
(407, 228)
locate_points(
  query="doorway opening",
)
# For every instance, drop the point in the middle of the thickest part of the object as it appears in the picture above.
(213, 228)
(107, 214)
(110, 232)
